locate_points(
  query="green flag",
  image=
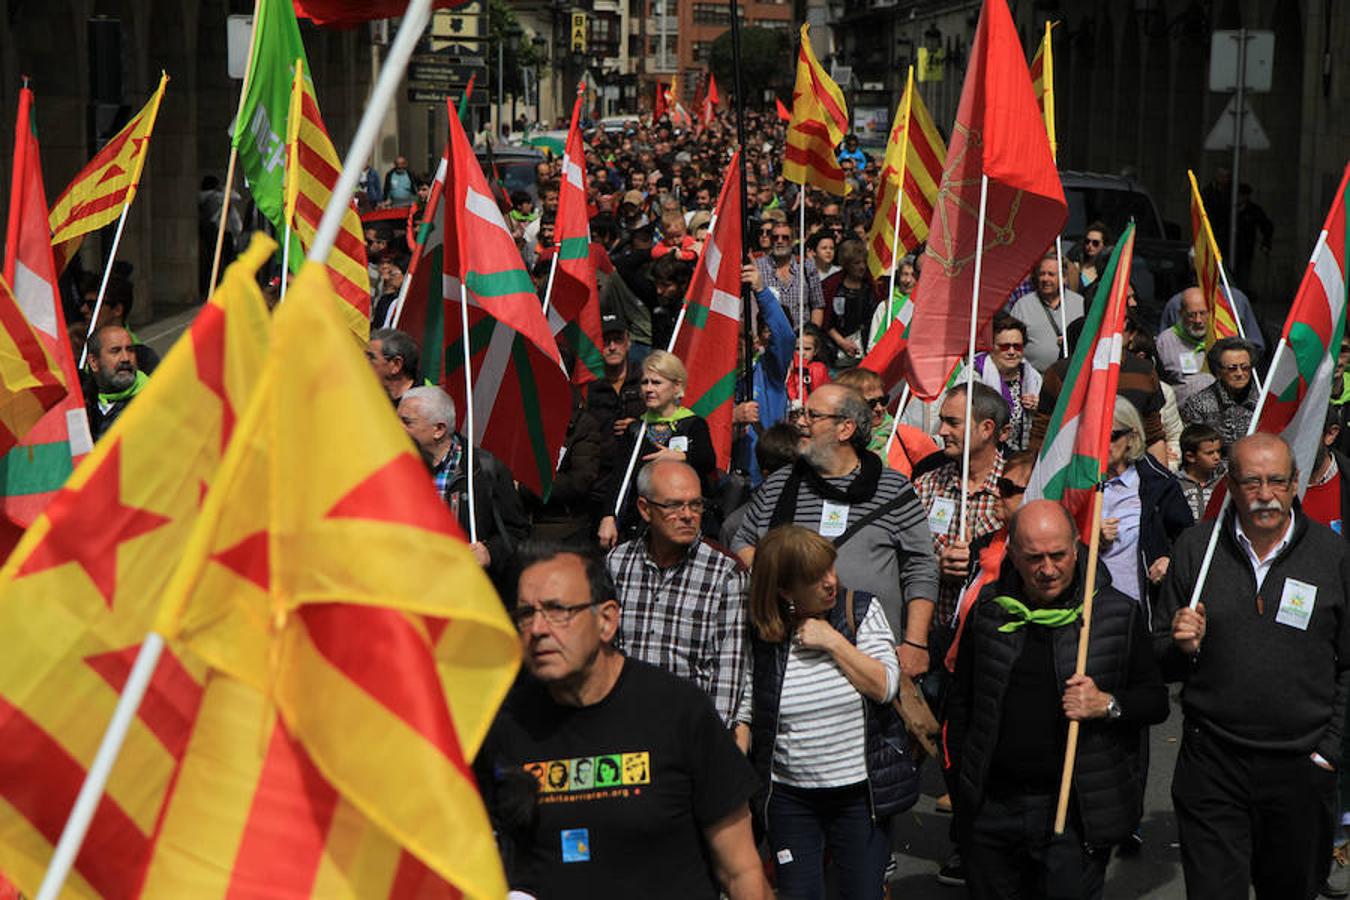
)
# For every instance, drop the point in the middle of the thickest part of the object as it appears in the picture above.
(260, 128)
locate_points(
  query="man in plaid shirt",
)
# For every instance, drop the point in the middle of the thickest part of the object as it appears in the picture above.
(940, 489)
(682, 598)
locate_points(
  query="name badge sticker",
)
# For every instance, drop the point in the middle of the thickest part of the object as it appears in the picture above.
(1191, 362)
(680, 443)
(833, 519)
(941, 515)
(1296, 604)
(576, 845)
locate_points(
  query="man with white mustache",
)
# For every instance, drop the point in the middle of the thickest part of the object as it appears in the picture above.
(1265, 660)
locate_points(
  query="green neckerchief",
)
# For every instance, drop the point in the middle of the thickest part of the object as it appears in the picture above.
(517, 216)
(141, 379)
(1196, 343)
(681, 412)
(1022, 614)
(1341, 397)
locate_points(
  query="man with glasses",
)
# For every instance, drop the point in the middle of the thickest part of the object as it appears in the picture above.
(1040, 312)
(870, 513)
(683, 598)
(605, 776)
(1181, 348)
(1265, 664)
(1226, 405)
(782, 274)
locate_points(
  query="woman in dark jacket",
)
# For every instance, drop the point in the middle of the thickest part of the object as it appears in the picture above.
(1143, 512)
(851, 295)
(817, 718)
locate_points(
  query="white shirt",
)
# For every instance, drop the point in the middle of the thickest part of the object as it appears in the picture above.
(1261, 567)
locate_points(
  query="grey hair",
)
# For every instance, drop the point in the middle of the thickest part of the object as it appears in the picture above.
(853, 408)
(646, 475)
(1228, 345)
(1127, 416)
(437, 406)
(398, 343)
(986, 403)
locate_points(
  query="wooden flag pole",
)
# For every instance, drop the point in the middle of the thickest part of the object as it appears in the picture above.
(970, 360)
(1089, 588)
(103, 285)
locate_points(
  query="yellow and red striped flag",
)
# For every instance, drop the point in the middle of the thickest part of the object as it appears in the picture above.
(1208, 261)
(819, 120)
(912, 170)
(30, 380)
(1043, 83)
(76, 601)
(312, 169)
(298, 581)
(97, 196)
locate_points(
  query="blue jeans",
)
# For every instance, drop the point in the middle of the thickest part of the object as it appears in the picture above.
(803, 823)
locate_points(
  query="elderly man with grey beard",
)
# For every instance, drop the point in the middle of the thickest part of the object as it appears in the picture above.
(112, 362)
(871, 513)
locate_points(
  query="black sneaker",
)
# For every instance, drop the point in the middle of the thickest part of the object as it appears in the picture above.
(1131, 845)
(953, 871)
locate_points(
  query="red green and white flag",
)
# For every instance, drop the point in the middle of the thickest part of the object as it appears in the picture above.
(421, 310)
(32, 472)
(1073, 458)
(574, 300)
(521, 397)
(1305, 359)
(711, 327)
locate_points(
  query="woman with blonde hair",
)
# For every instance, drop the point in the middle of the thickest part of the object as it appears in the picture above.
(817, 718)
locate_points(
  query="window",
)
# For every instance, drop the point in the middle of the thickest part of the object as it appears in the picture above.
(773, 24)
(711, 14)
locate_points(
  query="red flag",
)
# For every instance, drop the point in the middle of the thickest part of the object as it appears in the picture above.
(662, 101)
(783, 113)
(999, 134)
(712, 319)
(574, 310)
(349, 13)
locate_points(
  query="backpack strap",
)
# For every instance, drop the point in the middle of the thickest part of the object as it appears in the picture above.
(850, 615)
(906, 494)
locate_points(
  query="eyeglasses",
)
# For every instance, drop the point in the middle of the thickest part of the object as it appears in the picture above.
(1119, 433)
(1007, 488)
(1236, 367)
(782, 238)
(1010, 345)
(1275, 482)
(876, 402)
(553, 613)
(814, 415)
(675, 507)
(1091, 242)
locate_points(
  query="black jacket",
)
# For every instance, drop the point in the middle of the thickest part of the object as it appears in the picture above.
(502, 525)
(1107, 795)
(1163, 515)
(569, 514)
(893, 783)
(1256, 682)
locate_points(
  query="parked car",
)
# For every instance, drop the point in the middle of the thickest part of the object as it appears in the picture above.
(515, 168)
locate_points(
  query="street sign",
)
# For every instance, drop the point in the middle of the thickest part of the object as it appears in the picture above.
(1253, 135)
(1223, 60)
(443, 73)
(437, 97)
(578, 32)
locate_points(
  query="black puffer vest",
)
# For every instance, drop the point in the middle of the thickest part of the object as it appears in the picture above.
(892, 780)
(1106, 784)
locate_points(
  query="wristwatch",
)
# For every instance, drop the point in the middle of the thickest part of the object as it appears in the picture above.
(1112, 708)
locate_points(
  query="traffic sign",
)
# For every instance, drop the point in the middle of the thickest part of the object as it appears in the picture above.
(1258, 64)
(1253, 135)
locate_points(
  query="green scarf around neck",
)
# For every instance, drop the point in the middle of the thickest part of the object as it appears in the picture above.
(680, 413)
(118, 396)
(1054, 617)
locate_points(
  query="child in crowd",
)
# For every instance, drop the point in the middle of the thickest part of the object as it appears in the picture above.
(807, 372)
(1202, 466)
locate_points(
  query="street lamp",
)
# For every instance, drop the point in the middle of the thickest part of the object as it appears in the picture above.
(513, 35)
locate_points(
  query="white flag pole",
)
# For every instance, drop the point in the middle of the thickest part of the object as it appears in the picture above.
(285, 262)
(642, 430)
(103, 285)
(469, 438)
(1063, 315)
(1237, 317)
(970, 359)
(801, 291)
(96, 779)
(548, 291)
(895, 423)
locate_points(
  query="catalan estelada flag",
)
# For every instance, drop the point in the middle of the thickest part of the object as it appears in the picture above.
(1223, 322)
(97, 195)
(326, 572)
(915, 154)
(819, 120)
(312, 170)
(81, 590)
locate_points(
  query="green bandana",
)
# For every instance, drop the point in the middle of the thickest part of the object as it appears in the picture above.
(1180, 331)
(1022, 614)
(141, 379)
(680, 413)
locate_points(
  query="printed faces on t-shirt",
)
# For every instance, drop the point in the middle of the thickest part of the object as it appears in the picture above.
(591, 777)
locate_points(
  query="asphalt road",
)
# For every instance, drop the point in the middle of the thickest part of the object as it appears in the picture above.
(1154, 874)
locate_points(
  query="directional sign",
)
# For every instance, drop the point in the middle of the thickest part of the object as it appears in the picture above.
(437, 97)
(1258, 63)
(443, 73)
(1253, 135)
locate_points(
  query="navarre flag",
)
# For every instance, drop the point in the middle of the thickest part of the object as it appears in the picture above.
(1072, 461)
(80, 592)
(263, 121)
(30, 380)
(297, 580)
(1299, 382)
(574, 301)
(915, 154)
(422, 309)
(31, 473)
(521, 396)
(107, 185)
(312, 170)
(819, 120)
(1223, 322)
(1043, 84)
(999, 135)
(711, 329)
